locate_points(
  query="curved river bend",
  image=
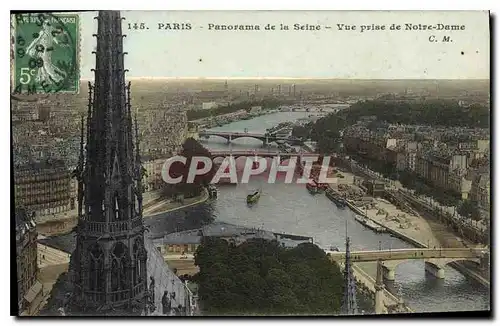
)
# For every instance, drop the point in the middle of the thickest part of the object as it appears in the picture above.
(291, 209)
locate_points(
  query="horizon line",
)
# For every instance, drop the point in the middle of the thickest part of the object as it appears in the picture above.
(285, 78)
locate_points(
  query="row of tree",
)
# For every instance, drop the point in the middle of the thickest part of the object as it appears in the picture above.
(261, 277)
(190, 149)
(465, 208)
(326, 131)
(433, 112)
(469, 210)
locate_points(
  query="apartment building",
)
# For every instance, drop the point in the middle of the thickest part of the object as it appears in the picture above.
(44, 187)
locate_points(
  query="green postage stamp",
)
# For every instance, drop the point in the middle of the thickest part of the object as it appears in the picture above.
(45, 51)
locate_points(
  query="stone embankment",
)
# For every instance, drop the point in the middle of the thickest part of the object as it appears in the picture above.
(169, 205)
(154, 204)
(408, 226)
(223, 119)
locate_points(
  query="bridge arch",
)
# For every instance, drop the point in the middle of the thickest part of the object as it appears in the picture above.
(442, 262)
(434, 266)
(240, 160)
(260, 138)
(435, 259)
(218, 159)
(225, 137)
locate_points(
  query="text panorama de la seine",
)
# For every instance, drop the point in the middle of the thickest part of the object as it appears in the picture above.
(185, 26)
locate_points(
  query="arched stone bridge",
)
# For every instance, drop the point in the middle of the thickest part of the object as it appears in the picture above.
(266, 139)
(435, 258)
(260, 153)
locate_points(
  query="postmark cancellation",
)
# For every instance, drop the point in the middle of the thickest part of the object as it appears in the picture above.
(45, 53)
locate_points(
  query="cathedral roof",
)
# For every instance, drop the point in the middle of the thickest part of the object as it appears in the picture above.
(164, 280)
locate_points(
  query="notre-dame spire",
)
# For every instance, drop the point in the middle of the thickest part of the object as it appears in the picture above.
(109, 263)
(350, 306)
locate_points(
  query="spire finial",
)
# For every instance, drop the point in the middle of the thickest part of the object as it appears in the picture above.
(346, 237)
(350, 303)
(80, 160)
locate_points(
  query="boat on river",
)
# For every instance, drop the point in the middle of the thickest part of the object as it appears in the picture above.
(333, 248)
(253, 197)
(369, 224)
(313, 188)
(335, 197)
(212, 191)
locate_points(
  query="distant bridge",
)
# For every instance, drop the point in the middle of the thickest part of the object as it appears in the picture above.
(265, 138)
(260, 153)
(435, 258)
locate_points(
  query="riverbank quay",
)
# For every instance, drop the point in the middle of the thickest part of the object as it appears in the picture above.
(404, 224)
(445, 215)
(410, 222)
(393, 219)
(154, 204)
(224, 119)
(468, 231)
(420, 235)
(169, 205)
(403, 221)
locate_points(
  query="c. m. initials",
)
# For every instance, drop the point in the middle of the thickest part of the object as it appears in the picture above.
(445, 39)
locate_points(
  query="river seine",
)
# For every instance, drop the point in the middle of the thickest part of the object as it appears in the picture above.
(289, 208)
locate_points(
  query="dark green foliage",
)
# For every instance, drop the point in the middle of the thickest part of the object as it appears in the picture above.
(199, 114)
(411, 181)
(190, 148)
(260, 277)
(469, 210)
(431, 112)
(302, 132)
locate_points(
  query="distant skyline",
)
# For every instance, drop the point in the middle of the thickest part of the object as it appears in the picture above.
(286, 78)
(325, 54)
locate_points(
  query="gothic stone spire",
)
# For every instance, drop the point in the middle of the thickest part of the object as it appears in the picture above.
(110, 260)
(350, 306)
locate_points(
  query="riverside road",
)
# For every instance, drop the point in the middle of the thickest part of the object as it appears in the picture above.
(289, 208)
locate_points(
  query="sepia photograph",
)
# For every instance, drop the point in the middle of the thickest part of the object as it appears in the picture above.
(250, 163)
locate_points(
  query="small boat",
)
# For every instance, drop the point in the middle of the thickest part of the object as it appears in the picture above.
(253, 197)
(333, 248)
(212, 191)
(322, 186)
(335, 197)
(312, 188)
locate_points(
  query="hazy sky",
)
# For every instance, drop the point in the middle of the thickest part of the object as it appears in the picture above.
(327, 53)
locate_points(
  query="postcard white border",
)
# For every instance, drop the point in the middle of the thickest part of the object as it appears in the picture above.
(203, 5)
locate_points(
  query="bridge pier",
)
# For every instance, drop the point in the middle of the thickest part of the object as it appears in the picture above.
(255, 163)
(266, 142)
(389, 274)
(437, 271)
(379, 289)
(389, 269)
(229, 138)
(484, 262)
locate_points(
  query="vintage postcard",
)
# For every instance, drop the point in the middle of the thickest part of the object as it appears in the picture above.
(250, 163)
